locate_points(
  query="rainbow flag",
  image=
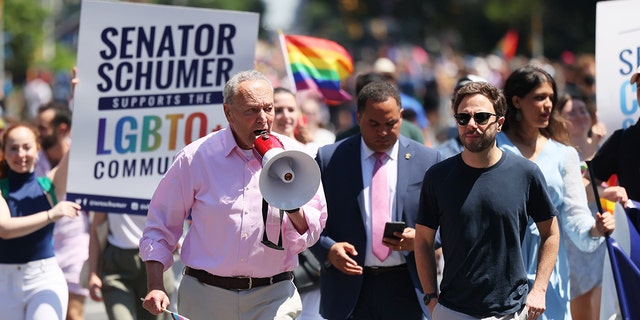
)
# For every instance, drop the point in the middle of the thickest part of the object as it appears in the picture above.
(317, 63)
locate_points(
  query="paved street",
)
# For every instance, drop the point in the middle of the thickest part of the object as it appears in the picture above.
(94, 310)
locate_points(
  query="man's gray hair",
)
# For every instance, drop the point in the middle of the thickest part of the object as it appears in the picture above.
(231, 87)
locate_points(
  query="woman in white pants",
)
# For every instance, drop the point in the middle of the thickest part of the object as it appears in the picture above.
(32, 285)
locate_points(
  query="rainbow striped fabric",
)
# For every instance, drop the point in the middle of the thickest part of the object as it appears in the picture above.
(318, 64)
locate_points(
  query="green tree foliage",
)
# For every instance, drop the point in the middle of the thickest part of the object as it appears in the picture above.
(24, 31)
(473, 26)
(64, 59)
(238, 5)
(23, 35)
(363, 26)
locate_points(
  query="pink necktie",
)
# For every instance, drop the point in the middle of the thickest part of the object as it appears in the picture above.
(379, 206)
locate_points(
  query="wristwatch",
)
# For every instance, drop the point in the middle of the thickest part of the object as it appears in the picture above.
(428, 296)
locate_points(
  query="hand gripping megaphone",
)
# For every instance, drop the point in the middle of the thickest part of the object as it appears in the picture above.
(289, 178)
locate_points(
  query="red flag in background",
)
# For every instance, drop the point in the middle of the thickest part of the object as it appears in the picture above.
(509, 44)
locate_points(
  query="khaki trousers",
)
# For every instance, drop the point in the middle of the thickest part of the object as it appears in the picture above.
(198, 301)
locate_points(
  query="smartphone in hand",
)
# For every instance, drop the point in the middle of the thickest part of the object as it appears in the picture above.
(393, 226)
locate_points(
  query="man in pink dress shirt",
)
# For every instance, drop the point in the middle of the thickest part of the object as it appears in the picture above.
(230, 273)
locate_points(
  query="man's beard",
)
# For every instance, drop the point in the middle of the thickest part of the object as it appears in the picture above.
(48, 142)
(480, 145)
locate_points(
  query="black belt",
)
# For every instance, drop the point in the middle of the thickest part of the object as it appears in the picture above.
(380, 270)
(236, 283)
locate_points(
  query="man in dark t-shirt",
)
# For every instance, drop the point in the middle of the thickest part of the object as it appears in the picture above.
(481, 200)
(620, 154)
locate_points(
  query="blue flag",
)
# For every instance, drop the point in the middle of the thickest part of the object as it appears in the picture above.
(625, 265)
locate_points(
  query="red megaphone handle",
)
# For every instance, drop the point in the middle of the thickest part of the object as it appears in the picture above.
(265, 142)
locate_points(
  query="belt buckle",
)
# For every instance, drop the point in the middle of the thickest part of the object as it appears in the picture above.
(250, 282)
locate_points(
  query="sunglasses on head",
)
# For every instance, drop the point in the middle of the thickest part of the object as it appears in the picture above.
(480, 118)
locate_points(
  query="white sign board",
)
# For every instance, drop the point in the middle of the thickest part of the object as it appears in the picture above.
(617, 58)
(150, 82)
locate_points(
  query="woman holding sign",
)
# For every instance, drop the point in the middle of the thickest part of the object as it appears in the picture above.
(32, 285)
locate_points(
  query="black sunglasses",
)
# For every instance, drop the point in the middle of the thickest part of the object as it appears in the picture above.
(480, 118)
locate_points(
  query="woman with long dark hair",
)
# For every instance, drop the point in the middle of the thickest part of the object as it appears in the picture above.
(533, 131)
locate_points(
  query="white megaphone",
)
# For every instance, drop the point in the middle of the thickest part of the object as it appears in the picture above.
(289, 178)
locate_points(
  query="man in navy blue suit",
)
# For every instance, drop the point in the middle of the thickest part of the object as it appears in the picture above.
(355, 282)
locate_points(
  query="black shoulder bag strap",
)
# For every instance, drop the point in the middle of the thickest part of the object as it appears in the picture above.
(265, 239)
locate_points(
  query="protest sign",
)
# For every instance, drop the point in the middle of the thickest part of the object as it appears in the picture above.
(617, 58)
(150, 82)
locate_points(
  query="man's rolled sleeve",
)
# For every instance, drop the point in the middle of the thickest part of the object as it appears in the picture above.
(151, 250)
(166, 216)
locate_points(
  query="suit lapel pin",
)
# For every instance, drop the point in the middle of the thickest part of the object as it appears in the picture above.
(407, 155)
